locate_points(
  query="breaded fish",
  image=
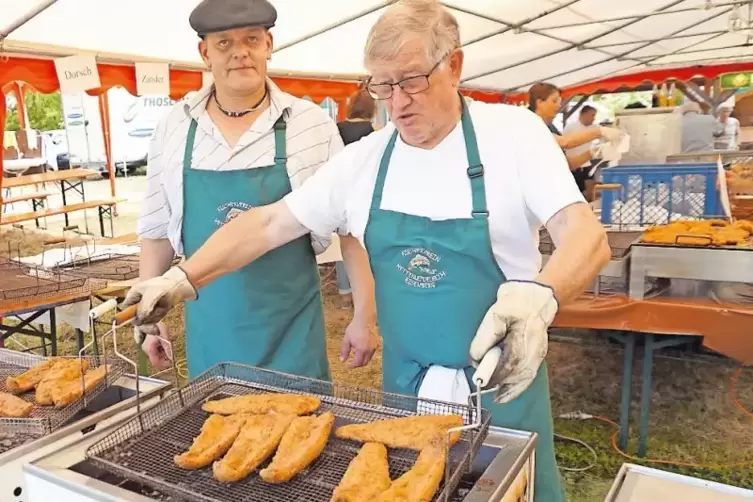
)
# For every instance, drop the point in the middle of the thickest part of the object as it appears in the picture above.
(14, 407)
(259, 404)
(31, 377)
(368, 475)
(216, 437)
(65, 392)
(414, 433)
(301, 444)
(63, 372)
(421, 483)
(257, 441)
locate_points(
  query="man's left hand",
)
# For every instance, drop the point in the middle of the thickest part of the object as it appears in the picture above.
(361, 339)
(518, 322)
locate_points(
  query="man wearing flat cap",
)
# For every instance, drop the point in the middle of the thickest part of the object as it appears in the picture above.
(238, 144)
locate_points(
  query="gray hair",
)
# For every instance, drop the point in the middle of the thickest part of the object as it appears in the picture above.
(408, 20)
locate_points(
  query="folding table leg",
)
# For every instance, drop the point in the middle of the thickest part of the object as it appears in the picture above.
(627, 387)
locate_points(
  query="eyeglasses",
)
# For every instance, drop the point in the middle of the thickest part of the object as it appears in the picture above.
(410, 85)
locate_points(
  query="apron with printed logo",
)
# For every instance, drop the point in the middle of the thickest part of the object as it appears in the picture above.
(269, 313)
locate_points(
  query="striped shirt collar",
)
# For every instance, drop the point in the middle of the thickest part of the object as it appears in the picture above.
(280, 102)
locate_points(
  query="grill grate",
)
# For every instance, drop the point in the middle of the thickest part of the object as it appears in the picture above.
(19, 280)
(8, 441)
(45, 419)
(113, 267)
(143, 449)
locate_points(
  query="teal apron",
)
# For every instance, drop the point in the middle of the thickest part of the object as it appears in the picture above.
(269, 313)
(435, 280)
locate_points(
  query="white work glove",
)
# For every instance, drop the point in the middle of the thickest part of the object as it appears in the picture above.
(518, 322)
(156, 296)
(157, 350)
(611, 134)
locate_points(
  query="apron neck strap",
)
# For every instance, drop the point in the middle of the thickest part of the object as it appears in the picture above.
(475, 168)
(188, 153)
(281, 154)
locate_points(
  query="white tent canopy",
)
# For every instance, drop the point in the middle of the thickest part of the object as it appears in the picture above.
(508, 44)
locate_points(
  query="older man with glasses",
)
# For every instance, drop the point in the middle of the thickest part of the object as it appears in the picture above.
(448, 200)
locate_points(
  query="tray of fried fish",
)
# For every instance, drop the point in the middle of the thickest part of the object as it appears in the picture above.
(39, 394)
(701, 233)
(262, 444)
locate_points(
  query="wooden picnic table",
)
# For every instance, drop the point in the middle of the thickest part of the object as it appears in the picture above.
(69, 179)
(52, 177)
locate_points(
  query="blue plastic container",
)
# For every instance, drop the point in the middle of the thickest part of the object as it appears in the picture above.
(656, 194)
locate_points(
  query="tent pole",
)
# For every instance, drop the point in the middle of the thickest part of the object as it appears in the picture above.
(104, 116)
(23, 116)
(25, 18)
(2, 149)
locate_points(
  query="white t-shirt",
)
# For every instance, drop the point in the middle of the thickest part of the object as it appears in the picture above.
(577, 126)
(526, 177)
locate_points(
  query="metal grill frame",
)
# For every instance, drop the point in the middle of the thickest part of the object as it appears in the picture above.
(163, 428)
(88, 267)
(48, 282)
(617, 244)
(46, 419)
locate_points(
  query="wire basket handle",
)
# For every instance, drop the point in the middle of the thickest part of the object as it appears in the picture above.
(481, 378)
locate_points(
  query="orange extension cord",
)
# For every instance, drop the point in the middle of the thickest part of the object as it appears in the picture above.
(735, 400)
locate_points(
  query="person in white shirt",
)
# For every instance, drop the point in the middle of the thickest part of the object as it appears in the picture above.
(239, 144)
(449, 211)
(728, 130)
(585, 122)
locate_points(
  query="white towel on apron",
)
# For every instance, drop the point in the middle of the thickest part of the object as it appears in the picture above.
(443, 384)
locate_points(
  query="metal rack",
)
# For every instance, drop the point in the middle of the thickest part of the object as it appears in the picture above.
(717, 264)
(19, 280)
(45, 419)
(143, 449)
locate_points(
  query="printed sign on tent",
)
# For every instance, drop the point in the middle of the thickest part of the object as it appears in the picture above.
(206, 79)
(152, 78)
(77, 73)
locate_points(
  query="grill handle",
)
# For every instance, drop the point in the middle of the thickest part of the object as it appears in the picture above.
(486, 367)
(125, 316)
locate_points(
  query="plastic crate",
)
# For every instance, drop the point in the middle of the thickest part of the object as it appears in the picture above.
(657, 194)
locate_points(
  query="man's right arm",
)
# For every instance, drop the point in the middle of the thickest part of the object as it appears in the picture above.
(242, 241)
(317, 206)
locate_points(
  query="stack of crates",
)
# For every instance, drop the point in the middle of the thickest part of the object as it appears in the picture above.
(657, 194)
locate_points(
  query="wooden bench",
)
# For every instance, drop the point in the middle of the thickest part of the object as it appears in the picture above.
(37, 201)
(104, 208)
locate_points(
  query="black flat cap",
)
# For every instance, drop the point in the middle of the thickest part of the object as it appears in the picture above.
(211, 16)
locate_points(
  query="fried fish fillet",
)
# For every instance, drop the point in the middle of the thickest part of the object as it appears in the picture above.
(301, 444)
(216, 437)
(14, 407)
(63, 372)
(368, 475)
(259, 404)
(414, 433)
(257, 440)
(65, 392)
(31, 377)
(421, 483)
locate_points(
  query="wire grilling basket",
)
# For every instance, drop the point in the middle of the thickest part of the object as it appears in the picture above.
(22, 281)
(45, 419)
(142, 450)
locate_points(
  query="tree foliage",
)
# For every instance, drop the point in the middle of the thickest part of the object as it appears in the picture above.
(44, 111)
